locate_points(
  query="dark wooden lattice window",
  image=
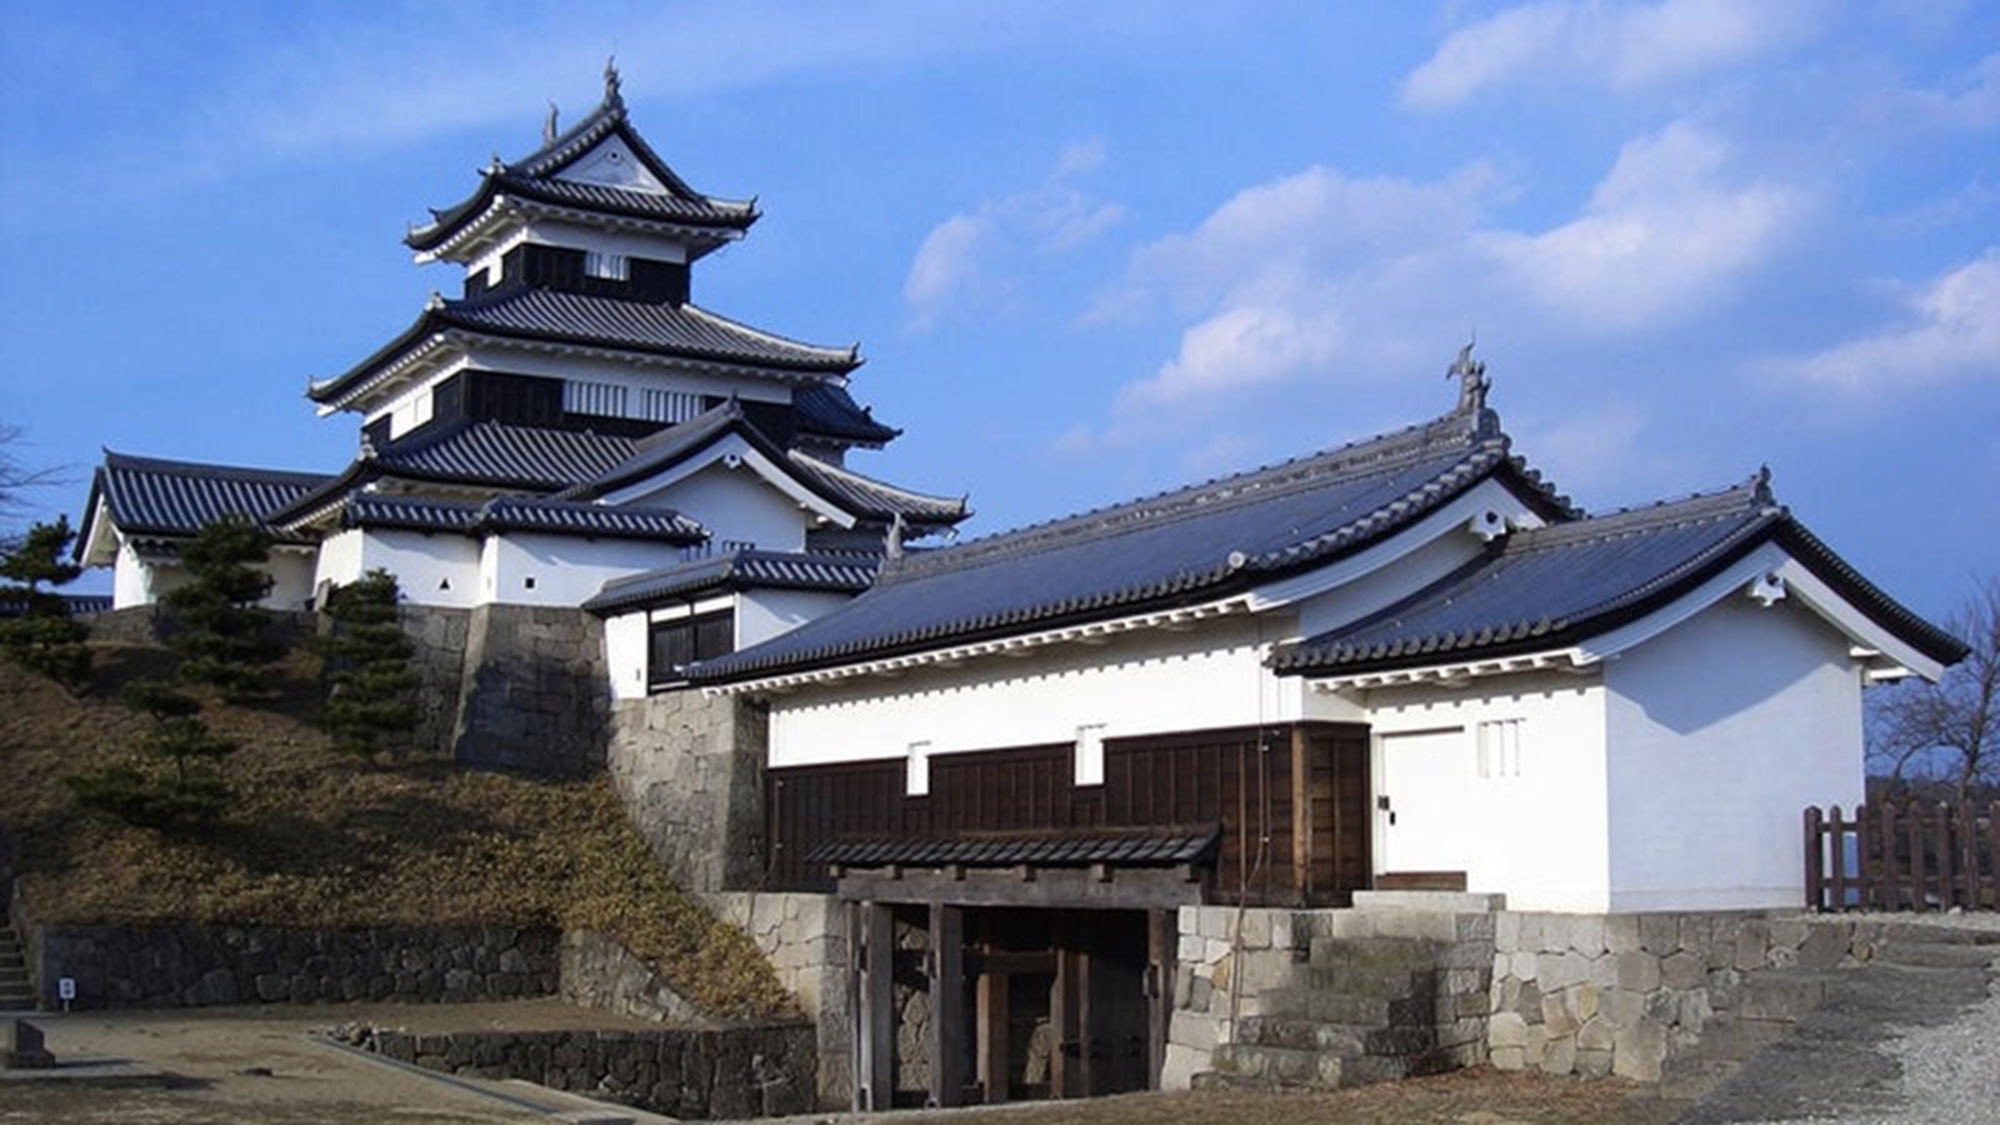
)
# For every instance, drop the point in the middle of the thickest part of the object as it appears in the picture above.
(678, 643)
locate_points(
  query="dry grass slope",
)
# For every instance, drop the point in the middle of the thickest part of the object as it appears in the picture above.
(316, 839)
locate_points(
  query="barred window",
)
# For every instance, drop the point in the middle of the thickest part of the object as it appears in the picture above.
(676, 644)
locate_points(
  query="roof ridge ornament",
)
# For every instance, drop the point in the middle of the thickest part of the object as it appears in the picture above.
(1473, 382)
(549, 133)
(612, 83)
(1760, 486)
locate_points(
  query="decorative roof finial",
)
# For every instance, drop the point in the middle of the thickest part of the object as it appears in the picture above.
(612, 96)
(1472, 376)
(892, 544)
(434, 302)
(549, 124)
(1761, 486)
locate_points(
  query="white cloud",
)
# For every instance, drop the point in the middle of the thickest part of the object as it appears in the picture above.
(1970, 101)
(982, 255)
(1657, 235)
(1618, 46)
(1951, 331)
(1324, 275)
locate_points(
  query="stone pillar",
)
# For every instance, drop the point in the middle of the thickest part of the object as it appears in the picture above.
(537, 693)
(690, 768)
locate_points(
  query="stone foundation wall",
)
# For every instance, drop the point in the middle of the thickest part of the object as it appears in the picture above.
(599, 972)
(1623, 993)
(438, 637)
(535, 695)
(805, 938)
(1234, 967)
(691, 770)
(169, 966)
(689, 1073)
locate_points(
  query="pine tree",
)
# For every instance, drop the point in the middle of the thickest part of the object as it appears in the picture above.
(192, 794)
(223, 636)
(41, 636)
(368, 660)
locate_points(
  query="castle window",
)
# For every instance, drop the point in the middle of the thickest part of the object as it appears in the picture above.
(668, 406)
(677, 643)
(605, 400)
(610, 267)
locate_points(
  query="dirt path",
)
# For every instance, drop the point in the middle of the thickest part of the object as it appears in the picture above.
(260, 1065)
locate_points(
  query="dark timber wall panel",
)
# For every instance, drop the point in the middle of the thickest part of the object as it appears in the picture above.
(1262, 787)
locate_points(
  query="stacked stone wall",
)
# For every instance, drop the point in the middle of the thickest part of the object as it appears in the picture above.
(599, 972)
(169, 966)
(690, 768)
(805, 938)
(535, 696)
(693, 1073)
(438, 636)
(1237, 968)
(1624, 993)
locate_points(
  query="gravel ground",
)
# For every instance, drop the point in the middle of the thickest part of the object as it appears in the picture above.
(1950, 1071)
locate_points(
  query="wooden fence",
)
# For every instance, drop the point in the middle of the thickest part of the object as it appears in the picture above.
(1915, 855)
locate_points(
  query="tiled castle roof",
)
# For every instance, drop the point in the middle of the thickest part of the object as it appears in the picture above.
(1173, 549)
(154, 497)
(1552, 587)
(830, 571)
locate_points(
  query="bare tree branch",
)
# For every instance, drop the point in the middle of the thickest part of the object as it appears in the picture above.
(1949, 730)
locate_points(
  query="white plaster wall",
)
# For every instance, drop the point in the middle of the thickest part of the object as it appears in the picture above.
(339, 560)
(1540, 838)
(291, 571)
(1723, 729)
(733, 504)
(763, 614)
(566, 572)
(436, 569)
(137, 581)
(625, 644)
(134, 580)
(1145, 682)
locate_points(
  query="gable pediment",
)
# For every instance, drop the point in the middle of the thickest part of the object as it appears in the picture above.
(613, 163)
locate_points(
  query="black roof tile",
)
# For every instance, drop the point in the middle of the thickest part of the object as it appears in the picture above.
(1556, 586)
(588, 320)
(1140, 848)
(827, 410)
(154, 497)
(1175, 548)
(833, 572)
(535, 177)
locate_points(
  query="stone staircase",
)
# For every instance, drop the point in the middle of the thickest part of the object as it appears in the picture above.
(15, 993)
(1363, 1009)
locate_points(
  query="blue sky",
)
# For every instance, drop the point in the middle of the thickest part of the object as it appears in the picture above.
(1090, 250)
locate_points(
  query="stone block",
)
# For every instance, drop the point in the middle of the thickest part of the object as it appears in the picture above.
(1592, 1063)
(1507, 1029)
(1753, 945)
(1825, 946)
(1559, 1056)
(1476, 927)
(1282, 933)
(1683, 970)
(1253, 931)
(1557, 1016)
(1583, 1001)
(1693, 1011)
(1596, 1034)
(1215, 922)
(1639, 971)
(1531, 930)
(1188, 1029)
(1525, 965)
(1190, 948)
(1659, 934)
(23, 1048)
(1639, 1051)
(1586, 934)
(1787, 933)
(1182, 1063)
(1508, 1058)
(1622, 1007)
(1621, 933)
(1506, 931)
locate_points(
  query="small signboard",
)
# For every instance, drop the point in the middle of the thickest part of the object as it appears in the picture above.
(66, 991)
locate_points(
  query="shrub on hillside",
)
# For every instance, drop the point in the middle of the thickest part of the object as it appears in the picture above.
(369, 679)
(179, 789)
(40, 635)
(224, 637)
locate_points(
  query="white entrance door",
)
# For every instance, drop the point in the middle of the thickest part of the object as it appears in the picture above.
(1427, 780)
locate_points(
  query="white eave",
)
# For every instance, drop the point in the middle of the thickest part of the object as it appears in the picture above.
(1879, 652)
(506, 210)
(735, 453)
(1096, 632)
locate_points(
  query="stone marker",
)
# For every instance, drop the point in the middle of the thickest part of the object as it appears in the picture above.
(23, 1048)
